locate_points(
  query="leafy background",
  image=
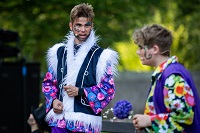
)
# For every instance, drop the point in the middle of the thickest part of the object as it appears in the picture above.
(41, 24)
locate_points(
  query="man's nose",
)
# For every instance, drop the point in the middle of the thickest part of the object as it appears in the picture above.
(82, 29)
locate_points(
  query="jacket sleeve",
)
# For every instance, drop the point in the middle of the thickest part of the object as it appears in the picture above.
(99, 96)
(49, 88)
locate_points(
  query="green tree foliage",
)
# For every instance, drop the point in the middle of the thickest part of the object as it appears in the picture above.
(41, 24)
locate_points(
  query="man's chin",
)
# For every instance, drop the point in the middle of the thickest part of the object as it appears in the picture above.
(82, 39)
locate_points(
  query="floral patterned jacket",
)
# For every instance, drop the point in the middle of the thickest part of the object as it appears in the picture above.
(178, 101)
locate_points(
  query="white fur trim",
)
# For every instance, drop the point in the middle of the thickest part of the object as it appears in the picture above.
(107, 56)
(52, 60)
(74, 64)
(94, 121)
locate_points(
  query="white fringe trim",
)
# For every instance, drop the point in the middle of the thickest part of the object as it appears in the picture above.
(74, 64)
(94, 121)
(107, 56)
(52, 60)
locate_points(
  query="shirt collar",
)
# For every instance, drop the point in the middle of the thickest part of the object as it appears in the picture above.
(76, 48)
(158, 71)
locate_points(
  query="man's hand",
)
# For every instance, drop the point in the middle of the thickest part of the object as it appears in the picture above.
(141, 121)
(57, 106)
(71, 90)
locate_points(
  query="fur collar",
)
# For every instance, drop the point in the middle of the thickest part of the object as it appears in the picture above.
(74, 63)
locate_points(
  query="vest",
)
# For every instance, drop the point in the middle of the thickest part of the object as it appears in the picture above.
(86, 72)
(158, 99)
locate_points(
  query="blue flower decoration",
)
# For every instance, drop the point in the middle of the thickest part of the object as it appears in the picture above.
(122, 109)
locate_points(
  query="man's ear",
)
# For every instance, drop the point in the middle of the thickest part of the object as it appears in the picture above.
(156, 49)
(70, 25)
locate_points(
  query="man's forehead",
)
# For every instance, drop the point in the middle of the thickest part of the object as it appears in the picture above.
(82, 20)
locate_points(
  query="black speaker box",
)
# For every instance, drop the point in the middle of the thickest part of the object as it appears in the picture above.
(19, 90)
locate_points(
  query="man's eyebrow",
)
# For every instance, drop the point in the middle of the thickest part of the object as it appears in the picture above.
(78, 24)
